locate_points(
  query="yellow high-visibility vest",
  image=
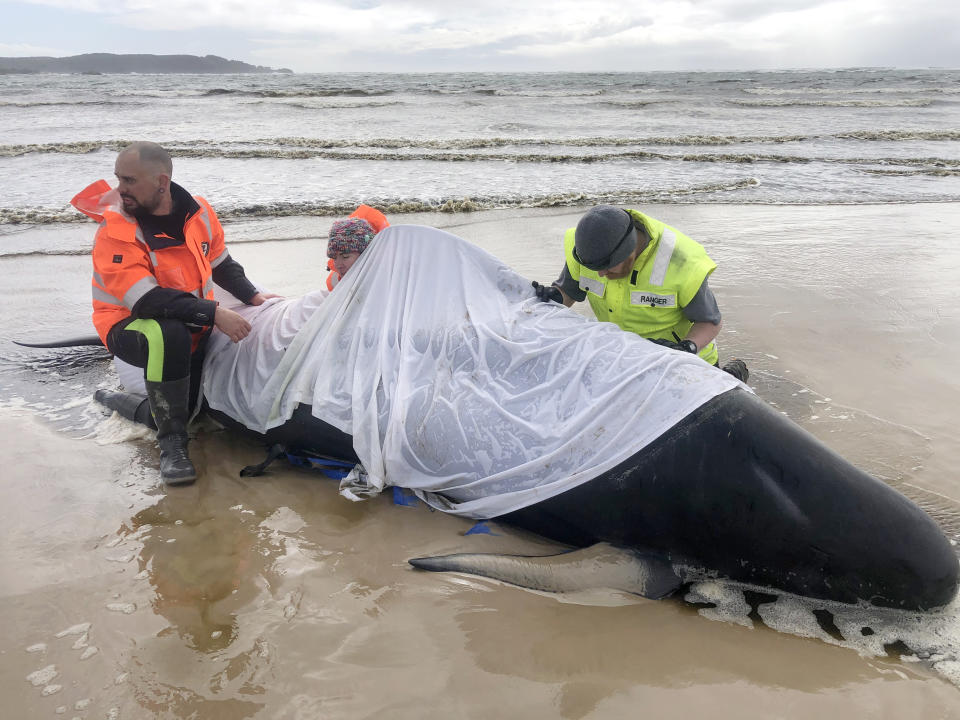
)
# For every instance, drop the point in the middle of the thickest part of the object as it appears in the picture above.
(665, 278)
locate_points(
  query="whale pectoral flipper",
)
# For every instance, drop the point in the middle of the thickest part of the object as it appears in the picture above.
(598, 566)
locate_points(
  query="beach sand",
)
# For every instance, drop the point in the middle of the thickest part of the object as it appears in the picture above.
(274, 597)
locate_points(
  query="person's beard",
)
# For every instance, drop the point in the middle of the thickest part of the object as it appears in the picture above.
(142, 209)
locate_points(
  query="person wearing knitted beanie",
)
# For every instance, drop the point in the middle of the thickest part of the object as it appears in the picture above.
(348, 238)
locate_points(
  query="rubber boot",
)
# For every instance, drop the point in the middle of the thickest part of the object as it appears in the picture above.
(737, 368)
(132, 406)
(169, 401)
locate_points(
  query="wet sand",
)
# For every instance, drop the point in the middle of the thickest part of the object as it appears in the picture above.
(274, 597)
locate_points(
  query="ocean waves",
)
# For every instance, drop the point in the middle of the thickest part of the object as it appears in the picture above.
(66, 103)
(317, 144)
(42, 253)
(316, 106)
(397, 205)
(932, 172)
(305, 147)
(882, 153)
(297, 93)
(68, 148)
(39, 216)
(492, 202)
(797, 102)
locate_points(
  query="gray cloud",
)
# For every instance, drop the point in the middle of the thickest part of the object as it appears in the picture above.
(399, 35)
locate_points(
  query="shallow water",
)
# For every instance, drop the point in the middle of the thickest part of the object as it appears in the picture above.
(274, 597)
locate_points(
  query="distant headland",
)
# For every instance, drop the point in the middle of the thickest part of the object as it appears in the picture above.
(104, 63)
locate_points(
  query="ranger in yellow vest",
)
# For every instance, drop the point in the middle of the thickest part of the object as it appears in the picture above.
(646, 277)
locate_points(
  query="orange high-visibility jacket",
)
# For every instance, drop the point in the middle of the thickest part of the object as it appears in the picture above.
(377, 220)
(125, 268)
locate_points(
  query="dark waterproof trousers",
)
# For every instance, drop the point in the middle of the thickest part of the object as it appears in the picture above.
(162, 347)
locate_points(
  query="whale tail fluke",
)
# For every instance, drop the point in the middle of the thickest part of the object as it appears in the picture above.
(598, 566)
(86, 340)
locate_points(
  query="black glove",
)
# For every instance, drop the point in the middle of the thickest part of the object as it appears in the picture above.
(683, 345)
(666, 343)
(547, 293)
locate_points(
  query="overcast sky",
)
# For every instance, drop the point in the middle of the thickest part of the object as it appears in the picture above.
(498, 35)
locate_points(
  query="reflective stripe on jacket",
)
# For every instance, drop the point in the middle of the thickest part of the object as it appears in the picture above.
(125, 268)
(649, 301)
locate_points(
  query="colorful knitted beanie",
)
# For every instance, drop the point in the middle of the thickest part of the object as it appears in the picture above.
(350, 235)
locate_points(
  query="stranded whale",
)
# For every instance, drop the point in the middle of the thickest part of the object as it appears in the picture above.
(433, 368)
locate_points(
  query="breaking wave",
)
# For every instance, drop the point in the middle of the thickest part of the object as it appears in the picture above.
(301, 93)
(440, 151)
(42, 253)
(39, 216)
(338, 105)
(407, 205)
(210, 148)
(71, 103)
(630, 104)
(831, 103)
(565, 93)
(931, 172)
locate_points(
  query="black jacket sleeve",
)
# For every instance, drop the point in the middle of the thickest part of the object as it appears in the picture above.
(230, 276)
(570, 286)
(164, 302)
(703, 306)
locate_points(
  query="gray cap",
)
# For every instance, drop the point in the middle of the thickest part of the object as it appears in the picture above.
(603, 237)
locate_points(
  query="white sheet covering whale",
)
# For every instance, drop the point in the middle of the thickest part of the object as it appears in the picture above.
(453, 380)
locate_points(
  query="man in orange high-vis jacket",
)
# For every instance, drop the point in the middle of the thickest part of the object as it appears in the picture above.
(156, 255)
(339, 265)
